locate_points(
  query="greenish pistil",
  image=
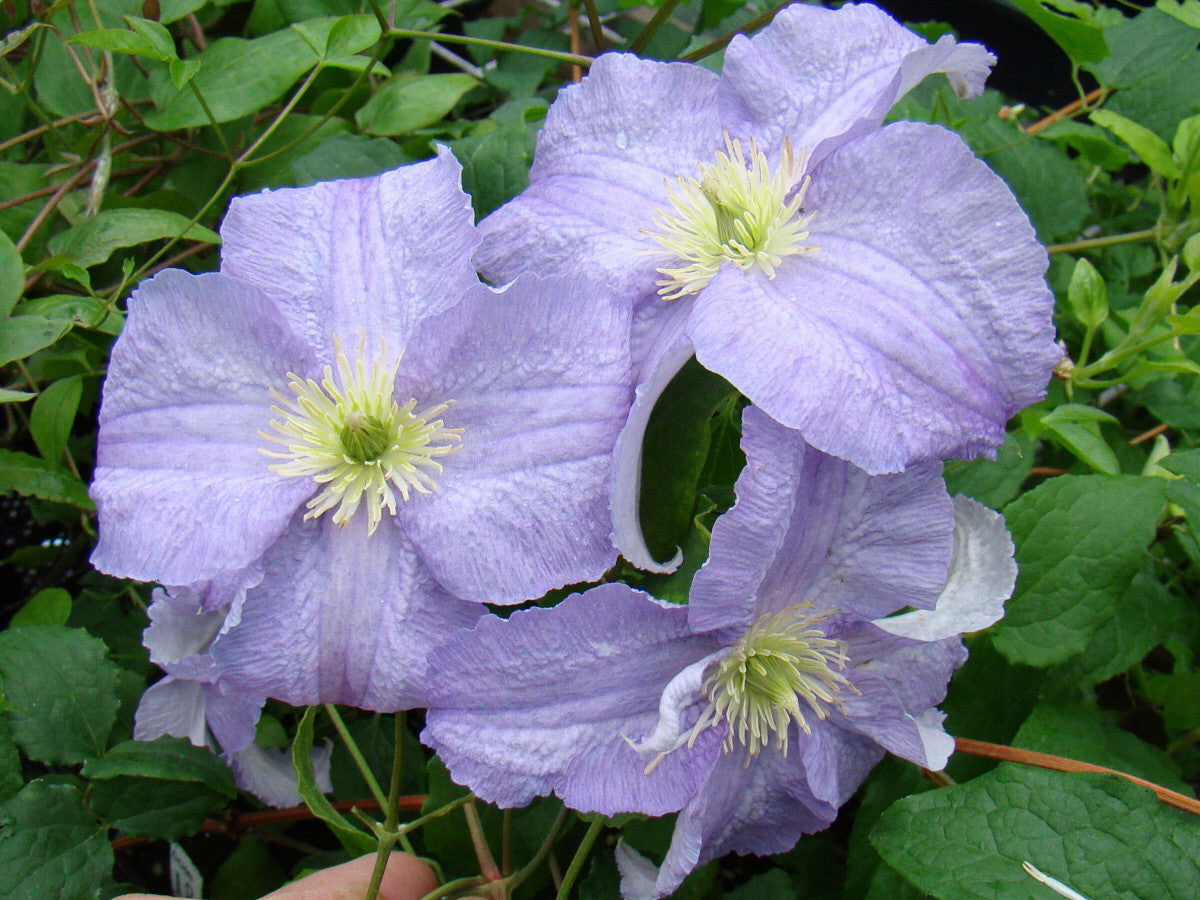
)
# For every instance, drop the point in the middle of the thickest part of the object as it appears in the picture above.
(724, 215)
(365, 438)
(782, 670)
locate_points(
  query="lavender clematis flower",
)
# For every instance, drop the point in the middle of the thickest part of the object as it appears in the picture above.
(877, 288)
(352, 441)
(192, 703)
(759, 708)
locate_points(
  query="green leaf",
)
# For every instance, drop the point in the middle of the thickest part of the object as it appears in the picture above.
(1179, 697)
(497, 153)
(1077, 428)
(88, 312)
(167, 759)
(62, 687)
(1088, 295)
(237, 77)
(406, 104)
(1154, 66)
(156, 34)
(160, 789)
(49, 606)
(329, 37)
(1099, 834)
(152, 808)
(1186, 11)
(1081, 40)
(22, 336)
(183, 71)
(346, 156)
(353, 839)
(12, 275)
(11, 780)
(248, 873)
(50, 845)
(9, 396)
(93, 240)
(1093, 736)
(1145, 143)
(40, 478)
(1080, 541)
(121, 40)
(53, 415)
(994, 482)
(675, 449)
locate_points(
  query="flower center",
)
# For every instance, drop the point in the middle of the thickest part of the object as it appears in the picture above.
(783, 668)
(745, 212)
(351, 437)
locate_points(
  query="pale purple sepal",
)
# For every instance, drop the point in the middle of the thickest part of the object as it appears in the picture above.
(267, 773)
(368, 257)
(608, 653)
(807, 527)
(341, 618)
(820, 77)
(603, 157)
(188, 390)
(540, 378)
(917, 324)
(982, 575)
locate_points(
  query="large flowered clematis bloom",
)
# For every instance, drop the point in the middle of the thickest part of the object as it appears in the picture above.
(877, 288)
(758, 708)
(352, 441)
(191, 702)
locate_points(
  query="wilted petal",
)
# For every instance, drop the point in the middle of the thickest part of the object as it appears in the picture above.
(359, 257)
(172, 707)
(811, 528)
(182, 487)
(666, 357)
(938, 744)
(267, 773)
(982, 575)
(603, 155)
(917, 326)
(539, 376)
(822, 76)
(179, 631)
(340, 617)
(545, 702)
(638, 874)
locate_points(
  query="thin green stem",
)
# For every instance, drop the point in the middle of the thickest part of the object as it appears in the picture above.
(244, 158)
(391, 833)
(452, 887)
(212, 119)
(558, 55)
(356, 755)
(581, 855)
(487, 863)
(437, 813)
(543, 851)
(594, 24)
(719, 44)
(1110, 240)
(656, 22)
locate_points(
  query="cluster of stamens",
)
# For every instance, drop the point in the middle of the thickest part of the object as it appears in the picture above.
(782, 670)
(748, 213)
(353, 439)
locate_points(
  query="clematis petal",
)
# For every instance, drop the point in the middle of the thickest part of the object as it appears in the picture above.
(603, 155)
(638, 874)
(811, 528)
(608, 653)
(917, 326)
(178, 448)
(539, 376)
(917, 671)
(340, 617)
(364, 256)
(172, 707)
(232, 716)
(821, 77)
(982, 575)
(267, 773)
(762, 808)
(669, 352)
(179, 633)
